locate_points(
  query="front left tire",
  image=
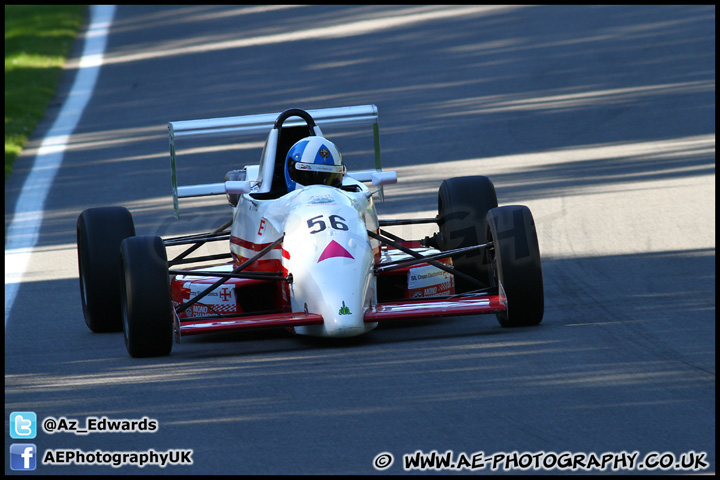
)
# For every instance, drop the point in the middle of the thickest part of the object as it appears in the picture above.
(514, 264)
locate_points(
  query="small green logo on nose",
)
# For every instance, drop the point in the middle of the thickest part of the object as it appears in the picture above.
(344, 310)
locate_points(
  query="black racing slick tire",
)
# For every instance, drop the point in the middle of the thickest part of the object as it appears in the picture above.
(100, 231)
(463, 203)
(146, 304)
(514, 263)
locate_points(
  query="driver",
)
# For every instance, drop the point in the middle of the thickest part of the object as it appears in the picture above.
(313, 161)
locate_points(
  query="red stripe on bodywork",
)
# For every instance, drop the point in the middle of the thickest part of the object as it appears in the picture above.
(271, 265)
(262, 263)
(250, 245)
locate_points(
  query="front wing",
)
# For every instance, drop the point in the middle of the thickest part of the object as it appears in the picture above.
(425, 308)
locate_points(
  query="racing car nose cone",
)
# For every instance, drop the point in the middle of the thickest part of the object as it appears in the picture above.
(334, 249)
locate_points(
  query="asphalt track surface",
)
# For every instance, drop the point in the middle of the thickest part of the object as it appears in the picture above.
(600, 119)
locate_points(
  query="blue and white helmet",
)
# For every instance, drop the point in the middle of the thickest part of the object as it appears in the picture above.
(313, 161)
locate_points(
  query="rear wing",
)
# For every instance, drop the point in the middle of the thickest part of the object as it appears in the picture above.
(257, 124)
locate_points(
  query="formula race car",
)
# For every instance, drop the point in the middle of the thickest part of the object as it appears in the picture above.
(307, 251)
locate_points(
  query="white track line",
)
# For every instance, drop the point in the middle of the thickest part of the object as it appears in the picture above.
(22, 234)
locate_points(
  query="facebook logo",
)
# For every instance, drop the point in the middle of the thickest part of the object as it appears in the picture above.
(23, 425)
(22, 456)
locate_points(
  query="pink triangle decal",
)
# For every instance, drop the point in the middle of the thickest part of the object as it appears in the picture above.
(334, 249)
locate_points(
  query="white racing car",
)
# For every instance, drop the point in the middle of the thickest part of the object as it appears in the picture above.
(307, 251)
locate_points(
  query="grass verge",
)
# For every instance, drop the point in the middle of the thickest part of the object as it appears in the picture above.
(38, 38)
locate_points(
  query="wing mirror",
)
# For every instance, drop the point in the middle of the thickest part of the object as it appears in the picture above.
(384, 178)
(237, 186)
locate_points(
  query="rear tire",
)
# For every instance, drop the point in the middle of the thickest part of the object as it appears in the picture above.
(463, 204)
(100, 231)
(514, 263)
(146, 304)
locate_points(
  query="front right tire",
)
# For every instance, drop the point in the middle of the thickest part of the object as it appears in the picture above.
(146, 303)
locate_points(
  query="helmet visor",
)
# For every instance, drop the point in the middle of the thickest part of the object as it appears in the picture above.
(318, 174)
